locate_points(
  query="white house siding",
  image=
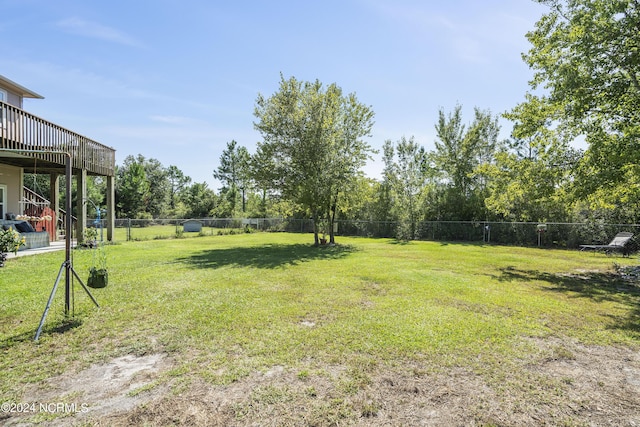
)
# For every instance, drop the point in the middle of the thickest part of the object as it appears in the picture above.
(13, 99)
(11, 177)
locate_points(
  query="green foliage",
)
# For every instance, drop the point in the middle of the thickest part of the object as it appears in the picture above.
(37, 182)
(405, 164)
(586, 57)
(10, 241)
(133, 188)
(358, 201)
(159, 186)
(312, 140)
(90, 236)
(459, 153)
(147, 189)
(233, 171)
(199, 200)
(230, 231)
(530, 180)
(586, 53)
(178, 181)
(449, 183)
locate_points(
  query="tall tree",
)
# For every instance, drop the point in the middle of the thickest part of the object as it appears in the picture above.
(384, 193)
(458, 154)
(199, 199)
(532, 174)
(405, 165)
(177, 182)
(233, 172)
(587, 54)
(531, 188)
(262, 171)
(159, 186)
(586, 59)
(314, 137)
(132, 189)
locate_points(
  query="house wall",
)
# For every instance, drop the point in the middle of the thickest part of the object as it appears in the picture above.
(12, 97)
(12, 176)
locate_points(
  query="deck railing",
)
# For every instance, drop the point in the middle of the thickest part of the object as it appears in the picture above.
(20, 130)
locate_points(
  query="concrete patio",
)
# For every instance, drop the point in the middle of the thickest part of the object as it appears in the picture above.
(53, 246)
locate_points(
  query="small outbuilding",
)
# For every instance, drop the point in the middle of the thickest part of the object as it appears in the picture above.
(192, 225)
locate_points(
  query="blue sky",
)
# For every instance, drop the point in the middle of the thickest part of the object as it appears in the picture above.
(177, 80)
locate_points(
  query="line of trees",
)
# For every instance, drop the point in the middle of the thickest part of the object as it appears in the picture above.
(586, 58)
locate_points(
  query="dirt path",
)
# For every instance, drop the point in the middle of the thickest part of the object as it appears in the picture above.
(567, 383)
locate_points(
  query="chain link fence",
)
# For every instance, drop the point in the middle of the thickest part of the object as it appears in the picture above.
(564, 235)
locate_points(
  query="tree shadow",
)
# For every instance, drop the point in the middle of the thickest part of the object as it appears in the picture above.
(597, 286)
(59, 327)
(267, 256)
(400, 242)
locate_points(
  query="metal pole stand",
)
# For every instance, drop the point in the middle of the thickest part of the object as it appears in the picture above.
(68, 268)
(66, 265)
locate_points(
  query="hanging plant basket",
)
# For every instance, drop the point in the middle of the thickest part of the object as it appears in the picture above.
(98, 278)
(98, 274)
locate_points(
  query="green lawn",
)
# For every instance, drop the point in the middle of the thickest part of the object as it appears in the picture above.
(225, 307)
(156, 232)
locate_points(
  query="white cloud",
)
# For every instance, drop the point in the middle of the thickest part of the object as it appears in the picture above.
(479, 38)
(172, 120)
(49, 78)
(97, 31)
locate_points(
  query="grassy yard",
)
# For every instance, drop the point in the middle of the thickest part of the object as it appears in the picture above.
(156, 232)
(264, 329)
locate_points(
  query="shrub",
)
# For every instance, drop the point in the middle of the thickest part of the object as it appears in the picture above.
(10, 241)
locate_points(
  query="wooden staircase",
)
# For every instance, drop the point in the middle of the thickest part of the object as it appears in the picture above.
(42, 216)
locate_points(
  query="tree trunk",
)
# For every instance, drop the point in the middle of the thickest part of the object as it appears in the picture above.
(316, 239)
(334, 210)
(332, 220)
(263, 208)
(244, 201)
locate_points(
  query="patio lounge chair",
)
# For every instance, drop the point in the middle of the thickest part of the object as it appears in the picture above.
(619, 243)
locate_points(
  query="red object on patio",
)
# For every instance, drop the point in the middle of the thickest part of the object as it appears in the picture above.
(50, 226)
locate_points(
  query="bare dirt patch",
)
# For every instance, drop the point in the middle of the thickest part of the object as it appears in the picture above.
(563, 383)
(115, 387)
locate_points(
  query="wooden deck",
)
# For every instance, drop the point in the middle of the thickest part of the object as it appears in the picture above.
(35, 144)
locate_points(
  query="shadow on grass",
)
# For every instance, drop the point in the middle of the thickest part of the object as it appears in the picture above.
(400, 242)
(57, 328)
(266, 256)
(597, 286)
(442, 243)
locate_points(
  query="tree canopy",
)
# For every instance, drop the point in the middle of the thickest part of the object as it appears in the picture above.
(460, 151)
(405, 163)
(586, 53)
(586, 59)
(313, 137)
(233, 172)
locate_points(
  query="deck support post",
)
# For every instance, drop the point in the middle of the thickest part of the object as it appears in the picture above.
(54, 198)
(111, 207)
(81, 206)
